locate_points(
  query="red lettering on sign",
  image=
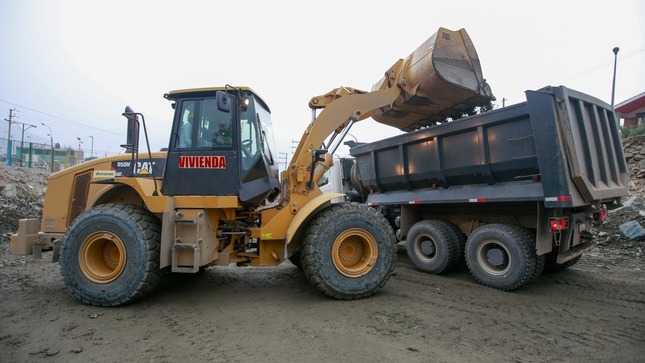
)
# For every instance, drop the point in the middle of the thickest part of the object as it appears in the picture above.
(202, 162)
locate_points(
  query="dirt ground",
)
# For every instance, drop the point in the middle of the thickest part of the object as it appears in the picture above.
(592, 312)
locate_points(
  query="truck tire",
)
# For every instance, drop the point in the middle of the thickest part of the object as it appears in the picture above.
(110, 255)
(458, 239)
(349, 251)
(430, 247)
(501, 256)
(540, 262)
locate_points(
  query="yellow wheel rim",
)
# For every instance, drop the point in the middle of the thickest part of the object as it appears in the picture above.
(102, 257)
(354, 252)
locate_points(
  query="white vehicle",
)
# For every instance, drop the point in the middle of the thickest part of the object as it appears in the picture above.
(337, 179)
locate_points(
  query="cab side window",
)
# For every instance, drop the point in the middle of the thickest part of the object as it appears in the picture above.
(216, 128)
(203, 125)
(185, 131)
(250, 144)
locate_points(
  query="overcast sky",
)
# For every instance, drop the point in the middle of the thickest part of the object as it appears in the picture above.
(75, 65)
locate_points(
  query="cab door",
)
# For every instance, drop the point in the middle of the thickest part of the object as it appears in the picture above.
(202, 158)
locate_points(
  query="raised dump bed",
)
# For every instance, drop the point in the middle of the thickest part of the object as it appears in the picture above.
(512, 191)
(558, 144)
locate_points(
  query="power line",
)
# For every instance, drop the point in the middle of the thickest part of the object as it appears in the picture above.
(605, 64)
(62, 118)
(159, 141)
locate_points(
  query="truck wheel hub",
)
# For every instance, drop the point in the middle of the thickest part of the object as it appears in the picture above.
(493, 258)
(428, 248)
(496, 257)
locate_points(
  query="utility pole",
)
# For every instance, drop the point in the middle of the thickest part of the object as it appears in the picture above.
(51, 141)
(9, 147)
(92, 149)
(613, 83)
(22, 139)
(78, 159)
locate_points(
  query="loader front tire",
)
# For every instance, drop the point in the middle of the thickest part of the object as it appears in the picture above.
(110, 255)
(349, 251)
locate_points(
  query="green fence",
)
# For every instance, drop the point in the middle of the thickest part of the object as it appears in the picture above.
(37, 155)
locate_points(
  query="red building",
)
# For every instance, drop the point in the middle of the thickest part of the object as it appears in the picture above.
(632, 110)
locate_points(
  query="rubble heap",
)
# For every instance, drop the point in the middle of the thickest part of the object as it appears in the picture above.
(22, 192)
(634, 148)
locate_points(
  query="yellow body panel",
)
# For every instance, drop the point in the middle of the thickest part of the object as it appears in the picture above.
(306, 211)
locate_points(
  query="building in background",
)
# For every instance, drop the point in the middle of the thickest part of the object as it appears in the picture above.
(632, 110)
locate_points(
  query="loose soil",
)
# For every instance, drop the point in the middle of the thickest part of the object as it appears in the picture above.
(592, 312)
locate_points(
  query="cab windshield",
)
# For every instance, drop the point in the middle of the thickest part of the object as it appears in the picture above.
(256, 134)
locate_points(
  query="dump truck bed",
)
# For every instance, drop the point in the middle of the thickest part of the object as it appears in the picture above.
(561, 147)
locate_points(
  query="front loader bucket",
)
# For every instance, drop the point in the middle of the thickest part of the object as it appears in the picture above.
(441, 78)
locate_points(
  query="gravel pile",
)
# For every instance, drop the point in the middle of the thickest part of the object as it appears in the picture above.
(634, 148)
(22, 193)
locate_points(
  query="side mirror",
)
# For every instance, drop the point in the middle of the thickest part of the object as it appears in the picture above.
(224, 101)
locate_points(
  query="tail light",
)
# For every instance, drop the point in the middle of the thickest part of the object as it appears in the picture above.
(600, 215)
(558, 224)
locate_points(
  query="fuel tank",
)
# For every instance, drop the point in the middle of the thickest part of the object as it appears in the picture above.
(440, 79)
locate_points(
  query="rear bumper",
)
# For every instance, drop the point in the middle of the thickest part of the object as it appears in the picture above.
(29, 241)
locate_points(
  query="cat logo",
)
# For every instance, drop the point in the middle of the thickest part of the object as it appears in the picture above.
(143, 167)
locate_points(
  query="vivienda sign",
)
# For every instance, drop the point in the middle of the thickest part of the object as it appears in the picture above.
(202, 162)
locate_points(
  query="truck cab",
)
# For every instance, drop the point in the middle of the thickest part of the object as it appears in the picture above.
(221, 144)
(337, 178)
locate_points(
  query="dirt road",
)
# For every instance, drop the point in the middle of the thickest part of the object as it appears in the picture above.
(593, 312)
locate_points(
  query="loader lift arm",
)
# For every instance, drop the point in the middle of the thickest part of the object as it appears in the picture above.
(441, 77)
(301, 194)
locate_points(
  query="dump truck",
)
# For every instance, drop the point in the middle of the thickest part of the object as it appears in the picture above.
(512, 191)
(119, 224)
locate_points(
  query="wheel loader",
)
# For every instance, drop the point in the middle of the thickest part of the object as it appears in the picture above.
(119, 224)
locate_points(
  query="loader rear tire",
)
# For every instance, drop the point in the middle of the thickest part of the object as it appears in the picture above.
(349, 251)
(110, 255)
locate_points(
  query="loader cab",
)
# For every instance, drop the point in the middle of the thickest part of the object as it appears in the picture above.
(221, 144)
